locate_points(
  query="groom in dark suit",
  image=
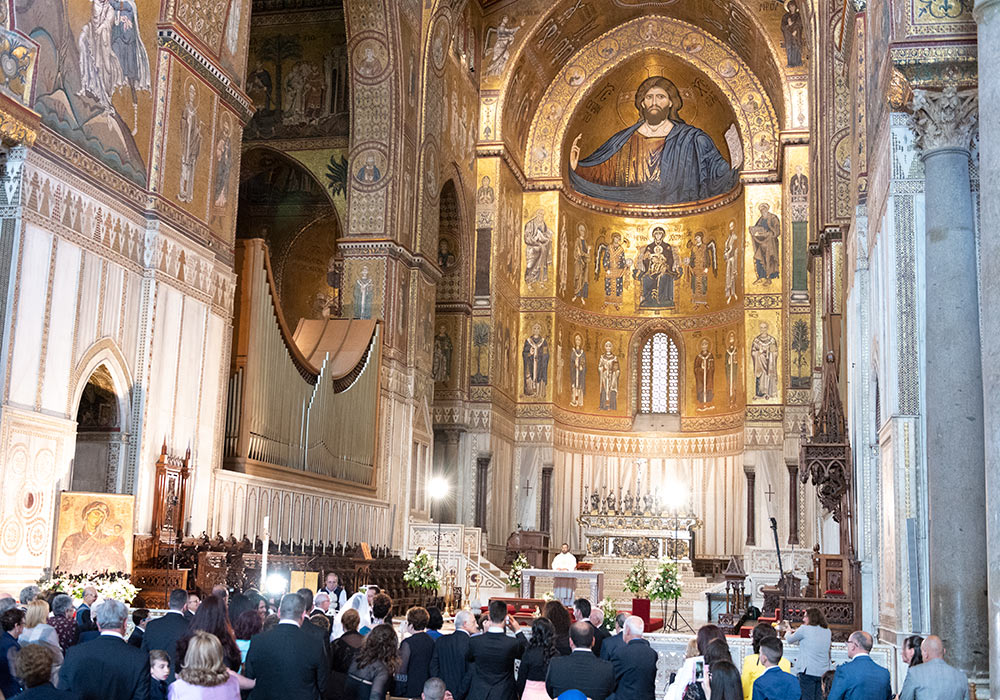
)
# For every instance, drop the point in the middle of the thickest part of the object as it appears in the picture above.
(493, 654)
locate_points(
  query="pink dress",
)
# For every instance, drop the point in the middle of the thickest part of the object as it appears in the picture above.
(180, 689)
(535, 690)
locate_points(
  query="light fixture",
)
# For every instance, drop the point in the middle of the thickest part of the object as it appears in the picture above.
(276, 585)
(675, 496)
(438, 488)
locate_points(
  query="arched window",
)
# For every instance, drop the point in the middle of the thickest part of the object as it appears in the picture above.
(659, 379)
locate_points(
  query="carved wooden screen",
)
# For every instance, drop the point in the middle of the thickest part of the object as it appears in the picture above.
(659, 376)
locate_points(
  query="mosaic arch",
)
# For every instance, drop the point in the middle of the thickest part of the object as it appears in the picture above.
(750, 103)
(544, 47)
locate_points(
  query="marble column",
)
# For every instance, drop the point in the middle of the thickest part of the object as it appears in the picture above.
(987, 14)
(944, 122)
(447, 509)
(793, 502)
(751, 510)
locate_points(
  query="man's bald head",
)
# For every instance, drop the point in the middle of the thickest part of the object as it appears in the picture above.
(932, 648)
(859, 642)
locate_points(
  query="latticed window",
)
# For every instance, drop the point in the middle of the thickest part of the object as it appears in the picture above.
(660, 376)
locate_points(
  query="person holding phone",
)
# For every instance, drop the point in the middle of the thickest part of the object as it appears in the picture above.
(493, 654)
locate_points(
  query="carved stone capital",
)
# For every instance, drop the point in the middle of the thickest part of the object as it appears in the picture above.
(944, 118)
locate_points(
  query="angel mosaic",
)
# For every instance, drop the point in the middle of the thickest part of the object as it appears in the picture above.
(498, 52)
(611, 258)
(703, 257)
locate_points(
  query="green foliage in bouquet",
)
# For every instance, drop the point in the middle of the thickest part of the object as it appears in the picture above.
(666, 583)
(421, 572)
(637, 580)
(110, 584)
(514, 575)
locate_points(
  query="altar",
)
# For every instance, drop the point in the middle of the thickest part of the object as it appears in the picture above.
(596, 579)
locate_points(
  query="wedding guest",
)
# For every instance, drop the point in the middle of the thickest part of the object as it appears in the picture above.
(372, 669)
(493, 655)
(535, 662)
(814, 638)
(247, 625)
(213, 618)
(286, 661)
(164, 632)
(38, 631)
(107, 668)
(635, 663)
(775, 684)
(159, 672)
(84, 621)
(706, 633)
(140, 616)
(557, 615)
(415, 654)
(203, 675)
(62, 621)
(12, 623)
(342, 653)
(193, 601)
(34, 667)
(725, 682)
(752, 666)
(452, 661)
(613, 643)
(581, 670)
(934, 678)
(435, 623)
(28, 594)
(860, 678)
(912, 655)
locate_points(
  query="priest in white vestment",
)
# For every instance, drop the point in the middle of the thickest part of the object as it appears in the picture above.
(564, 589)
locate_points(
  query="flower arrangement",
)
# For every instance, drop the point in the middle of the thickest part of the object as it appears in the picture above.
(637, 580)
(514, 575)
(548, 596)
(109, 584)
(421, 573)
(610, 612)
(666, 584)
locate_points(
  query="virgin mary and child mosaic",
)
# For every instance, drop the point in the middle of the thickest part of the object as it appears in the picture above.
(658, 160)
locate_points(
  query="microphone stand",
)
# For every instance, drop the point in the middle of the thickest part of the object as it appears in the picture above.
(781, 569)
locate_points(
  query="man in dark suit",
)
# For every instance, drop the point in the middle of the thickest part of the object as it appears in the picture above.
(581, 670)
(583, 612)
(860, 678)
(84, 621)
(107, 668)
(493, 654)
(194, 600)
(287, 661)
(774, 684)
(163, 632)
(316, 632)
(140, 616)
(635, 664)
(452, 661)
(615, 642)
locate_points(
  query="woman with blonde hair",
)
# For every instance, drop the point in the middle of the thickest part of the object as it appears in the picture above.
(38, 631)
(203, 674)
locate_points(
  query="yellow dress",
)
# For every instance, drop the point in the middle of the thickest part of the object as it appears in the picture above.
(753, 669)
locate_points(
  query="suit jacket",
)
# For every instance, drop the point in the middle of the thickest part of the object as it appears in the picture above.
(600, 635)
(861, 679)
(47, 691)
(106, 668)
(163, 633)
(288, 662)
(452, 662)
(135, 639)
(581, 671)
(9, 685)
(775, 684)
(611, 646)
(635, 671)
(935, 679)
(83, 619)
(317, 633)
(493, 655)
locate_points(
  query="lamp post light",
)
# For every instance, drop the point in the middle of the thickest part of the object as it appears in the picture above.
(437, 489)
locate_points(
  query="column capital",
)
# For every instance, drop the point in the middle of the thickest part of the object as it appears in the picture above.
(982, 7)
(943, 119)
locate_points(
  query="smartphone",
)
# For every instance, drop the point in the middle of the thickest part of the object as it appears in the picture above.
(699, 671)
